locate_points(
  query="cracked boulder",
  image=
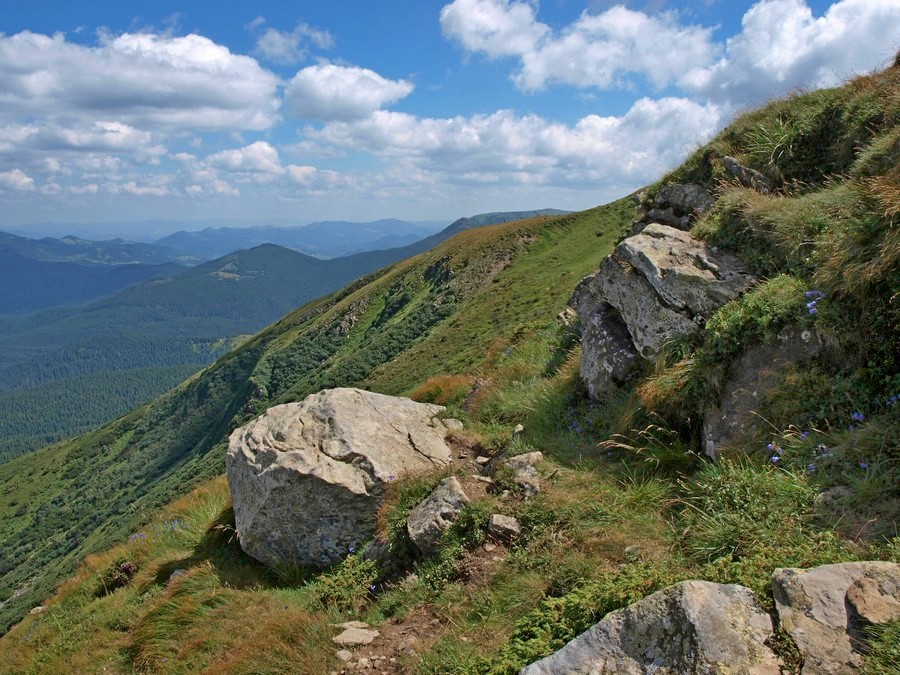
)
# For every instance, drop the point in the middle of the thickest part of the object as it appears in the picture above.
(825, 610)
(691, 627)
(307, 478)
(664, 283)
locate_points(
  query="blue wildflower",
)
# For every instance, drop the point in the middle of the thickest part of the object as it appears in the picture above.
(770, 446)
(813, 310)
(775, 459)
(863, 465)
(811, 468)
(858, 417)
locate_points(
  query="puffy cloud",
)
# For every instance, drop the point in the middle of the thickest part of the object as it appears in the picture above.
(783, 46)
(495, 27)
(651, 137)
(598, 49)
(259, 157)
(16, 180)
(594, 51)
(143, 80)
(331, 92)
(288, 47)
(132, 188)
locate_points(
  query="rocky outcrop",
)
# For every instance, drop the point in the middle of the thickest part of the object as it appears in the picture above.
(692, 627)
(428, 521)
(751, 377)
(746, 176)
(657, 285)
(307, 478)
(824, 609)
(608, 355)
(676, 205)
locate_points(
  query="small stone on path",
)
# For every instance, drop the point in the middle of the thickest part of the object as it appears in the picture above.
(356, 636)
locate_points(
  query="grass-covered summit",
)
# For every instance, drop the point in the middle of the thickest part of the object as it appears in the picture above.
(628, 505)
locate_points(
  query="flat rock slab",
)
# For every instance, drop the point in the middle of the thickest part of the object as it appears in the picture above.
(691, 627)
(307, 478)
(355, 637)
(823, 616)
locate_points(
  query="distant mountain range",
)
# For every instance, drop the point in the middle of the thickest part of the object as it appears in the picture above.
(74, 249)
(140, 340)
(327, 239)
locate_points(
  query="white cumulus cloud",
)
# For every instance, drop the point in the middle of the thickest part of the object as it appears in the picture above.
(259, 157)
(331, 92)
(287, 47)
(495, 27)
(144, 80)
(782, 46)
(16, 180)
(651, 137)
(596, 50)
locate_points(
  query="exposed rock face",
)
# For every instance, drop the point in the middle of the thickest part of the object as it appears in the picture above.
(434, 516)
(751, 378)
(823, 609)
(657, 285)
(307, 478)
(748, 177)
(608, 356)
(675, 205)
(691, 627)
(524, 473)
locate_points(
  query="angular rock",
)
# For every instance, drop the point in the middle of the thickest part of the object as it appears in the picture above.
(748, 177)
(649, 322)
(354, 637)
(685, 273)
(524, 473)
(428, 521)
(608, 355)
(503, 527)
(685, 198)
(876, 598)
(816, 609)
(691, 627)
(751, 377)
(664, 283)
(307, 478)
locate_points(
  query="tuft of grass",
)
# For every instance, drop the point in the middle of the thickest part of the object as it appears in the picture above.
(883, 649)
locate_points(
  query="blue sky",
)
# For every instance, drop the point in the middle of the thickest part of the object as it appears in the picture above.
(411, 109)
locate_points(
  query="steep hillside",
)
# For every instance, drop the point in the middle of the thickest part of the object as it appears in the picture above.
(79, 496)
(802, 193)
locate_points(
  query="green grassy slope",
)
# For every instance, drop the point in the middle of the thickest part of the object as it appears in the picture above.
(100, 486)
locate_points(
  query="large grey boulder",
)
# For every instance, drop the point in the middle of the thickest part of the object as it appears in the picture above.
(691, 627)
(824, 609)
(684, 271)
(428, 521)
(307, 478)
(662, 283)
